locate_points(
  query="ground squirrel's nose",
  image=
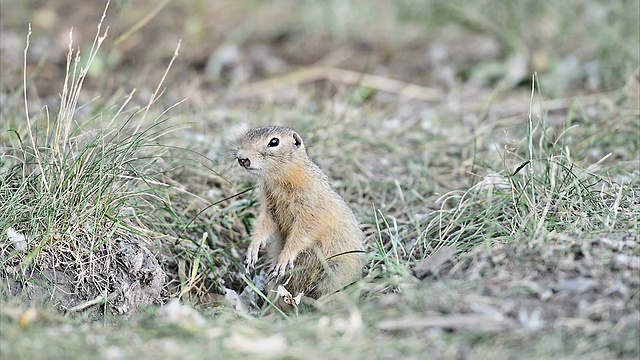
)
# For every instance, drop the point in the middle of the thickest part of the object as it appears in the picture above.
(244, 162)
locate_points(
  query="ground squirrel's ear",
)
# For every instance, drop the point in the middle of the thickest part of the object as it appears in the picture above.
(297, 140)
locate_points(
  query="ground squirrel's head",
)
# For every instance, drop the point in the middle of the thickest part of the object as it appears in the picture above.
(270, 150)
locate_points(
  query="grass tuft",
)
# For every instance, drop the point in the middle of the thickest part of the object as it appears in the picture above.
(544, 191)
(73, 193)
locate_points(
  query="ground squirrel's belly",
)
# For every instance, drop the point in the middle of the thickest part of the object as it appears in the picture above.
(282, 212)
(322, 217)
(323, 267)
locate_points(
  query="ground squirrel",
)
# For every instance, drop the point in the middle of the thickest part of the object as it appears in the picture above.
(315, 244)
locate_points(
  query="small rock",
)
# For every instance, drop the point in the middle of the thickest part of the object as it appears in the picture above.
(576, 285)
(18, 240)
(269, 346)
(183, 316)
(632, 262)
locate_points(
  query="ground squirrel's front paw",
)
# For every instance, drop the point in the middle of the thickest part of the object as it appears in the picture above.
(281, 267)
(252, 254)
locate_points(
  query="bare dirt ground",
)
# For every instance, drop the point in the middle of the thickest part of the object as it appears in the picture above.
(406, 107)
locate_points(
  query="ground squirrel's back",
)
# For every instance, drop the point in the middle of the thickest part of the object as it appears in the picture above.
(315, 243)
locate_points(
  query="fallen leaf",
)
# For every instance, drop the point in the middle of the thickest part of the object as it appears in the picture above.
(288, 298)
(576, 285)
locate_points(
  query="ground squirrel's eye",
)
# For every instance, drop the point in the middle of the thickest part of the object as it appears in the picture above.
(274, 142)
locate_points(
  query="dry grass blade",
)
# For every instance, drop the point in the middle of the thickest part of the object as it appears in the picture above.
(157, 93)
(140, 24)
(336, 75)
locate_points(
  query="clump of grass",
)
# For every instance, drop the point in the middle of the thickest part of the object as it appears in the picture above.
(73, 193)
(389, 253)
(544, 191)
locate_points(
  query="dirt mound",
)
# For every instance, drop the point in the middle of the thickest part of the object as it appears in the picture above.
(117, 274)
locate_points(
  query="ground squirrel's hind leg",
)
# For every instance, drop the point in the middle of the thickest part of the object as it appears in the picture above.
(265, 228)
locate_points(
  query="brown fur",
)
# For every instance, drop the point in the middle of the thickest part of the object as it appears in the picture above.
(305, 222)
